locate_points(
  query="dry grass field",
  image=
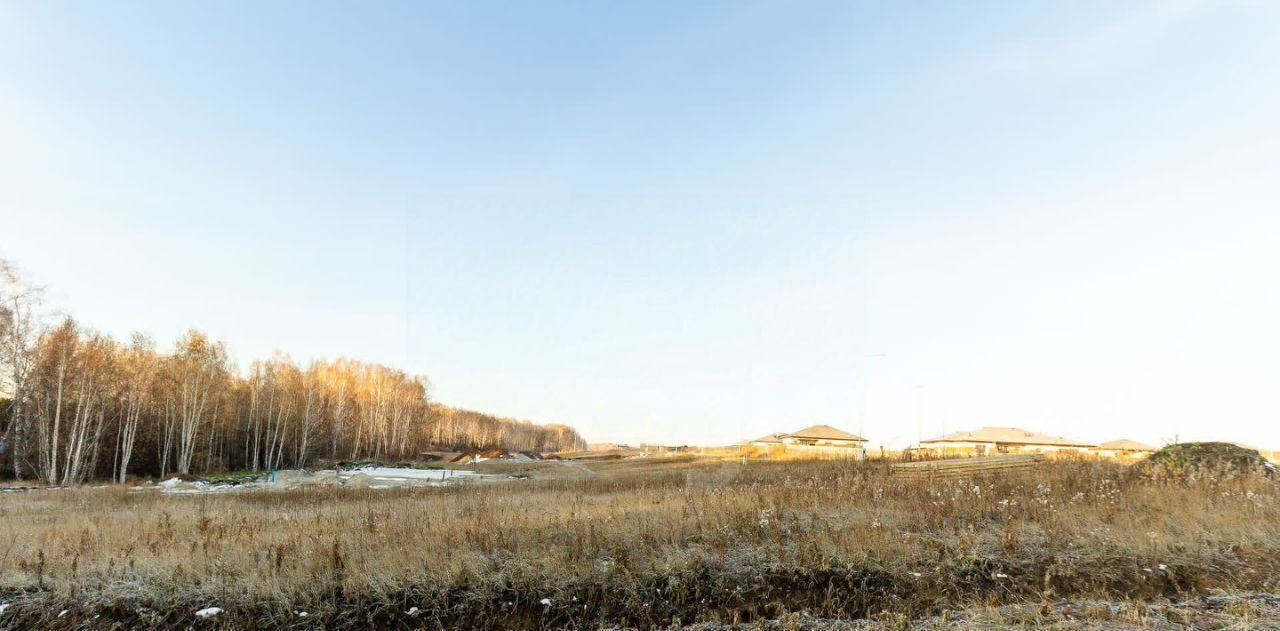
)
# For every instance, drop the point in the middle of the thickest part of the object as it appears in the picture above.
(654, 543)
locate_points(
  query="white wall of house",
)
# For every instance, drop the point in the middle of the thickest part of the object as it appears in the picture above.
(826, 451)
(1119, 453)
(986, 448)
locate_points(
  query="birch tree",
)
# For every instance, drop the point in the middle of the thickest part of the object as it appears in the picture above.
(197, 367)
(48, 387)
(138, 372)
(20, 326)
(75, 394)
(93, 366)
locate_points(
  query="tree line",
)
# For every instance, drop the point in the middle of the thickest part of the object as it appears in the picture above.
(76, 404)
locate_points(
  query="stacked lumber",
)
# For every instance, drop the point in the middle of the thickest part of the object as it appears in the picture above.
(958, 467)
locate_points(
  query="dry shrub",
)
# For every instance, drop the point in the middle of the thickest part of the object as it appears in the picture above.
(1191, 461)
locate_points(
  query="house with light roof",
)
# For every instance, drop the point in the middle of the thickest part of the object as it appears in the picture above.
(987, 441)
(1123, 448)
(768, 440)
(815, 440)
(822, 436)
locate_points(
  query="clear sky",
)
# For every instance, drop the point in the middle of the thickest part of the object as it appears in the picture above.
(679, 221)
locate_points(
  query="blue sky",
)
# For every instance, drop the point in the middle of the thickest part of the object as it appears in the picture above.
(679, 222)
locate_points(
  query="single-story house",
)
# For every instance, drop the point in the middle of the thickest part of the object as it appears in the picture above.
(824, 436)
(768, 440)
(1123, 448)
(662, 450)
(999, 440)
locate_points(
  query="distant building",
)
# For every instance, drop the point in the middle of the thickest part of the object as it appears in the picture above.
(819, 441)
(1123, 448)
(1000, 440)
(768, 440)
(822, 436)
(663, 450)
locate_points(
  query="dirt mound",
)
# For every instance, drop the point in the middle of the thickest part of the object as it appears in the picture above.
(359, 481)
(1190, 461)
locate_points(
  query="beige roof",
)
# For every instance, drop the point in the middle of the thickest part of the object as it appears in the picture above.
(769, 438)
(824, 432)
(1124, 444)
(1007, 435)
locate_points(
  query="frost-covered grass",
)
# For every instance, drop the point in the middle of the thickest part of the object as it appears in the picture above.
(641, 543)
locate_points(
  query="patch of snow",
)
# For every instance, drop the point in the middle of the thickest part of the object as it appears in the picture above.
(208, 612)
(3, 606)
(63, 612)
(546, 602)
(413, 611)
(171, 482)
(399, 473)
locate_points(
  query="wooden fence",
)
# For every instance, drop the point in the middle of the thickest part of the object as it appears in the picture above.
(966, 466)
